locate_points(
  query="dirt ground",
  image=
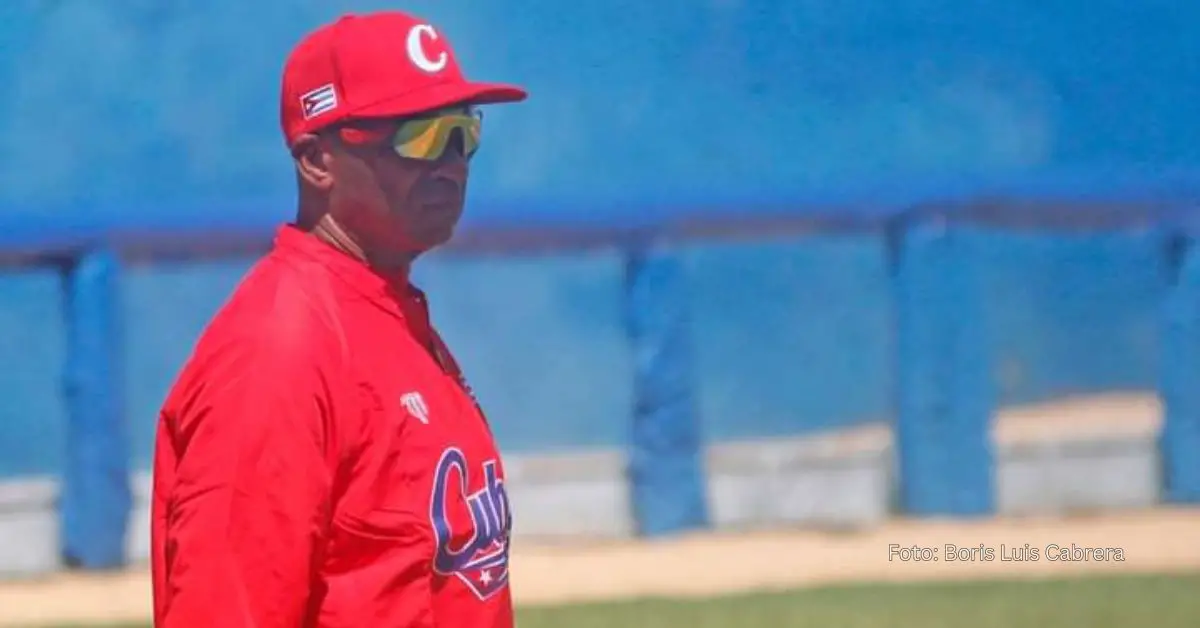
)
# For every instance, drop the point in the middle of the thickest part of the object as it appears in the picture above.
(1158, 540)
(1161, 540)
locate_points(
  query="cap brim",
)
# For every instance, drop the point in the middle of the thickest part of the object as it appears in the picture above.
(443, 95)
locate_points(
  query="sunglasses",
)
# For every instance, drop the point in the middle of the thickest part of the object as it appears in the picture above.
(426, 137)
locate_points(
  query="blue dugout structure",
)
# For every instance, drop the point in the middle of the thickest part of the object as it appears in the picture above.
(943, 394)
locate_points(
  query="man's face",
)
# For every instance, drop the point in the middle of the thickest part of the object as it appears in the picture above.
(400, 205)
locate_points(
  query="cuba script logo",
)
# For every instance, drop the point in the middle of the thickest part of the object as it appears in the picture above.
(472, 546)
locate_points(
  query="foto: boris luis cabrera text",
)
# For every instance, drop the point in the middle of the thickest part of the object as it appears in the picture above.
(1054, 552)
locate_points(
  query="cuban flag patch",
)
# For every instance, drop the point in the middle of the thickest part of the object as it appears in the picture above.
(319, 101)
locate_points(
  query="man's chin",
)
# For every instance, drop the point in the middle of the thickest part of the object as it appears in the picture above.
(434, 238)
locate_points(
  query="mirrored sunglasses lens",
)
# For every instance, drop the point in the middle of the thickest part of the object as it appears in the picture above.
(428, 139)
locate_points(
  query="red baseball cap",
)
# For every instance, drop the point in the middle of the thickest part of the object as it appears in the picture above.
(377, 65)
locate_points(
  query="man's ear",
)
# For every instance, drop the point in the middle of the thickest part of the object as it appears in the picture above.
(313, 161)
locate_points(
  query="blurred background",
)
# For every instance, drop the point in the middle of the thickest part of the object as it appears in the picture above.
(735, 263)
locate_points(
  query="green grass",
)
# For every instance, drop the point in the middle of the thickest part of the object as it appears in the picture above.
(1158, 601)
(1162, 602)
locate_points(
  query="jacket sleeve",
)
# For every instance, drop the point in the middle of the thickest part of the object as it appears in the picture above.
(246, 508)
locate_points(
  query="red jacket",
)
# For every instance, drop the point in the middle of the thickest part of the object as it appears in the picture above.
(320, 462)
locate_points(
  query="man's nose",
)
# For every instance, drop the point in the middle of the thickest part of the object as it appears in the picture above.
(455, 148)
(453, 160)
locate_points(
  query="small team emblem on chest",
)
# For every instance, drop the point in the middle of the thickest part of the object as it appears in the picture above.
(415, 405)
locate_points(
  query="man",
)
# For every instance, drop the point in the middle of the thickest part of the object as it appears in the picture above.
(320, 460)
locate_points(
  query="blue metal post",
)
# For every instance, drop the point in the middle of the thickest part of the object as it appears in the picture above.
(95, 500)
(666, 465)
(943, 384)
(1179, 440)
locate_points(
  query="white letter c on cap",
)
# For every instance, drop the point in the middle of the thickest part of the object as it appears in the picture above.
(416, 52)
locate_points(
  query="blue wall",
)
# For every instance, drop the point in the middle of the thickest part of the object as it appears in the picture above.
(141, 104)
(144, 113)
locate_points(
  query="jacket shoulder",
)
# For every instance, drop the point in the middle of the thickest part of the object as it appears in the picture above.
(278, 313)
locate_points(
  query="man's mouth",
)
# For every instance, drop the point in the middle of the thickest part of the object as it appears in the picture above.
(442, 192)
(443, 202)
